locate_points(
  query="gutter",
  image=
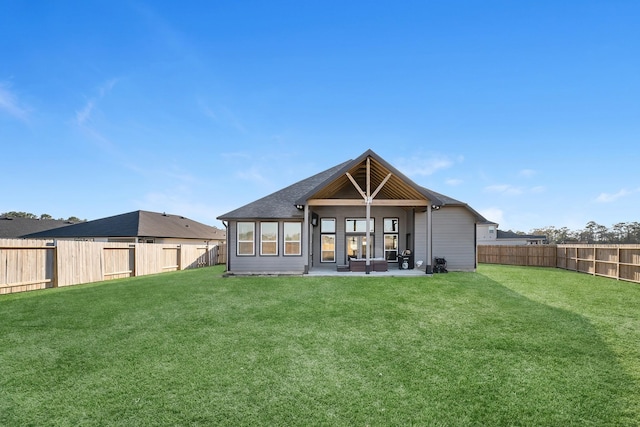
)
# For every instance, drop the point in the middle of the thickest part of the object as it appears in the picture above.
(226, 233)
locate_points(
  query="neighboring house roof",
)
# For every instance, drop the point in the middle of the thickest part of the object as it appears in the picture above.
(137, 224)
(11, 227)
(511, 235)
(283, 203)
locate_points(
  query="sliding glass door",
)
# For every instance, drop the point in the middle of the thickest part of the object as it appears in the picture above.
(357, 247)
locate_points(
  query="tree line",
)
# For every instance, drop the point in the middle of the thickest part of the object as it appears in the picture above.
(29, 215)
(620, 233)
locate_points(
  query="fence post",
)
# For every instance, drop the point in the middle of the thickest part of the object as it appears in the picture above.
(54, 273)
(134, 258)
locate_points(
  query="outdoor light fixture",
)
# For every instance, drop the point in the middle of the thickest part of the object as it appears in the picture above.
(435, 207)
(299, 207)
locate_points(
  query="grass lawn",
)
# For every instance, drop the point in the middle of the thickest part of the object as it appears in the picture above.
(504, 346)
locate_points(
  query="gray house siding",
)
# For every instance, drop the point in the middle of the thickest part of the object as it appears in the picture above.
(262, 264)
(420, 252)
(454, 237)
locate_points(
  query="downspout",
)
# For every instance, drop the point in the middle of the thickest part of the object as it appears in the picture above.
(226, 233)
(475, 246)
(305, 239)
(429, 268)
(367, 267)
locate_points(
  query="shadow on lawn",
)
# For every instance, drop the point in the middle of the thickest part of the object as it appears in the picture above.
(553, 361)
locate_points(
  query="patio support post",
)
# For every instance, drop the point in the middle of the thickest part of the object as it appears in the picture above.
(429, 267)
(367, 268)
(368, 200)
(306, 250)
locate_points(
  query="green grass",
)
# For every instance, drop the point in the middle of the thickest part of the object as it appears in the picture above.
(504, 346)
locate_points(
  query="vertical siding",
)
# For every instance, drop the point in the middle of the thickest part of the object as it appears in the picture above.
(454, 237)
(420, 238)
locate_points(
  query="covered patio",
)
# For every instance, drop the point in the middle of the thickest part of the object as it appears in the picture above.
(391, 272)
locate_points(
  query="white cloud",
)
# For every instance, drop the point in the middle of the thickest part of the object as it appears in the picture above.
(493, 214)
(454, 182)
(527, 173)
(609, 198)
(506, 189)
(252, 175)
(9, 103)
(83, 116)
(223, 116)
(538, 189)
(424, 165)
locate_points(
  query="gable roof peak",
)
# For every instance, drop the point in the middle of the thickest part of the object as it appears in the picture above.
(383, 168)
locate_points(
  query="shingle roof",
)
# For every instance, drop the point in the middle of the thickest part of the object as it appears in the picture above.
(137, 224)
(448, 201)
(12, 228)
(282, 204)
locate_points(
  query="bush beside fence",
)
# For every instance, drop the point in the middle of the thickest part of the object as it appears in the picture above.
(620, 262)
(27, 265)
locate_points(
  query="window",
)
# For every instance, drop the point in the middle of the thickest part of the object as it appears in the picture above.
(327, 225)
(391, 225)
(391, 239)
(328, 249)
(358, 225)
(328, 240)
(293, 238)
(246, 238)
(269, 238)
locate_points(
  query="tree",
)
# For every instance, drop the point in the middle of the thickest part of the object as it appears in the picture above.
(622, 232)
(20, 215)
(29, 215)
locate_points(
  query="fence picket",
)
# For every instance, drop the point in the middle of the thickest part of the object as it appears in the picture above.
(27, 265)
(621, 262)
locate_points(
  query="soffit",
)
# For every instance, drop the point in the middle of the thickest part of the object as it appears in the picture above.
(394, 188)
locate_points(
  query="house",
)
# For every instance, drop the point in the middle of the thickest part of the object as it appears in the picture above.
(138, 226)
(362, 214)
(488, 234)
(14, 228)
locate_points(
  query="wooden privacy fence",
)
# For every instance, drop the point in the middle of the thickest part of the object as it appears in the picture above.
(27, 265)
(620, 262)
(532, 255)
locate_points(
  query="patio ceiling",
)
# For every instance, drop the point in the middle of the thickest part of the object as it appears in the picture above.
(395, 191)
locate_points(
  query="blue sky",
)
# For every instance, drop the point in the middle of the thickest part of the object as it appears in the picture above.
(529, 111)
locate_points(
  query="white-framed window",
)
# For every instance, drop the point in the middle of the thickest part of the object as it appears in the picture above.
(246, 235)
(359, 225)
(268, 238)
(293, 238)
(328, 240)
(391, 239)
